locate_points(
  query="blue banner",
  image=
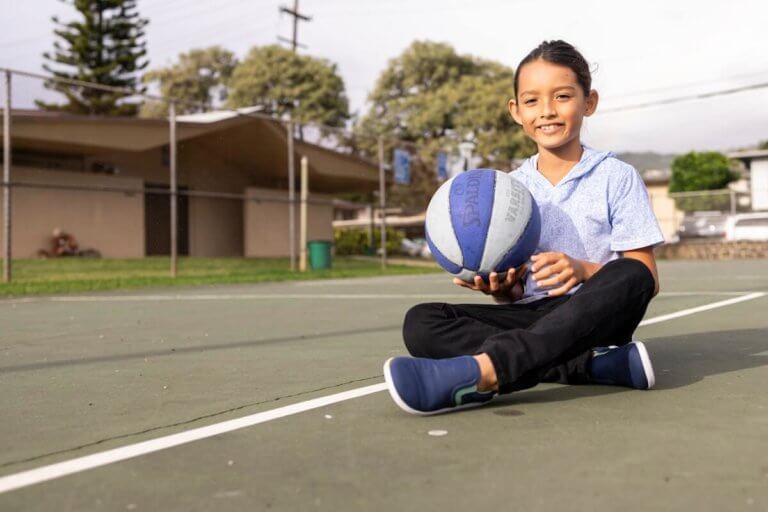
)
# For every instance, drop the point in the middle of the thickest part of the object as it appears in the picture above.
(402, 167)
(442, 166)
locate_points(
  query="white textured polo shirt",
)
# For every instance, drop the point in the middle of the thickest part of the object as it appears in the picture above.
(598, 210)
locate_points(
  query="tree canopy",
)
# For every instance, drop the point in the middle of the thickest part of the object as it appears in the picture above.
(436, 98)
(197, 78)
(701, 171)
(282, 81)
(105, 46)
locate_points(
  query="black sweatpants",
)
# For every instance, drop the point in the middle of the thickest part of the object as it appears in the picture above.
(544, 341)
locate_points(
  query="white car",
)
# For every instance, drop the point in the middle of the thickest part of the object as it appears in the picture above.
(747, 226)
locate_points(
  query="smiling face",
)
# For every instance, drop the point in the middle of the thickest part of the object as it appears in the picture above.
(551, 104)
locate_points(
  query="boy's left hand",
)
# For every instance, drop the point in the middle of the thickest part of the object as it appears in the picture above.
(557, 268)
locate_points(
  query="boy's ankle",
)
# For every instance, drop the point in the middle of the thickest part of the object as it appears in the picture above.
(488, 379)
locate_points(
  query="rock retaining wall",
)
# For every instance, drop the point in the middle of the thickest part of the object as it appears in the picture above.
(712, 250)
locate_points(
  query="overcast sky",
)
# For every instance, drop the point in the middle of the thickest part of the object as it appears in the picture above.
(640, 51)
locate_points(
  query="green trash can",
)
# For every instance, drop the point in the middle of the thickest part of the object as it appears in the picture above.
(319, 254)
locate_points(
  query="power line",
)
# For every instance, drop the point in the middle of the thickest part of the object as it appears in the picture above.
(296, 17)
(687, 85)
(689, 97)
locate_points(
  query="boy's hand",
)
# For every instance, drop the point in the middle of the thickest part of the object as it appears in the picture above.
(506, 289)
(557, 268)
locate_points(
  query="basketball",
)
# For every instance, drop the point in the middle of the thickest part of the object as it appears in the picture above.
(482, 221)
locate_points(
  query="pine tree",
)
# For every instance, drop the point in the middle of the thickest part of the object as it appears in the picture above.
(105, 47)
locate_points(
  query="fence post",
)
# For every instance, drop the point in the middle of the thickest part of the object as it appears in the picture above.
(174, 189)
(303, 214)
(291, 198)
(733, 201)
(382, 204)
(369, 212)
(7, 256)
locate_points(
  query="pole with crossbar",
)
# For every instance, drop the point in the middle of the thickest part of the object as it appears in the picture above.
(382, 204)
(303, 214)
(7, 181)
(174, 188)
(291, 198)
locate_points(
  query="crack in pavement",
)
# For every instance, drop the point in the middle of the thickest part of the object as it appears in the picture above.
(180, 423)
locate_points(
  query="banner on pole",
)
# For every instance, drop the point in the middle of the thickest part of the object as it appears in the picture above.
(442, 166)
(402, 167)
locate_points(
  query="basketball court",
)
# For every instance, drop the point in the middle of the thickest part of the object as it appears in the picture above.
(270, 396)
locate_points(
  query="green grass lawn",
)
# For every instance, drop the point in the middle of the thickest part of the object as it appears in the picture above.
(70, 275)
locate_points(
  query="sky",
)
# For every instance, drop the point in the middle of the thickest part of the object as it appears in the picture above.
(639, 52)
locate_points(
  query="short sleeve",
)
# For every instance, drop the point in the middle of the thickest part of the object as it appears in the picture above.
(633, 223)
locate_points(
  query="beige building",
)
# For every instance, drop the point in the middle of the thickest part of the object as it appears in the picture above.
(669, 217)
(755, 163)
(106, 181)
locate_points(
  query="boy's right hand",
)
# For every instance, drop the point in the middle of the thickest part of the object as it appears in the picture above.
(505, 289)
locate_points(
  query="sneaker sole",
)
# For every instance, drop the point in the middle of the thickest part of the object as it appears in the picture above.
(646, 360)
(410, 410)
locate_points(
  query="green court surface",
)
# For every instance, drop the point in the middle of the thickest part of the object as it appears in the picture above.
(87, 380)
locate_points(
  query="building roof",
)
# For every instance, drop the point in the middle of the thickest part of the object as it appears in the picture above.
(254, 143)
(656, 176)
(749, 154)
(217, 115)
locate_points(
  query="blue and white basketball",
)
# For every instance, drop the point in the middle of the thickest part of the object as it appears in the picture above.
(482, 221)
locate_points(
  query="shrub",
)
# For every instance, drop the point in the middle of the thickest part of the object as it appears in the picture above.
(355, 241)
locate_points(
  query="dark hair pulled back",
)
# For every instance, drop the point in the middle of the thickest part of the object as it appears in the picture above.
(561, 53)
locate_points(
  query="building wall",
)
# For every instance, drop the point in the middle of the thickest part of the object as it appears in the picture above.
(215, 224)
(668, 216)
(266, 223)
(110, 222)
(759, 176)
(226, 161)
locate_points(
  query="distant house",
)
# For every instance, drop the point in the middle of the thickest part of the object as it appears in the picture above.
(58, 159)
(669, 217)
(756, 164)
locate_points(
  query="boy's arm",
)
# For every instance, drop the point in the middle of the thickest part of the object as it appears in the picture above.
(645, 256)
(556, 268)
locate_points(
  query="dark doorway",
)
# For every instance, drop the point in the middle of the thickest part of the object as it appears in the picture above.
(157, 221)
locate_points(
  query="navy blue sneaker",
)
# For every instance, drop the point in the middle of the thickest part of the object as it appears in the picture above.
(430, 386)
(627, 366)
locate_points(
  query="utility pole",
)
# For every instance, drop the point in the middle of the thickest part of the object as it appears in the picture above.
(290, 126)
(294, 42)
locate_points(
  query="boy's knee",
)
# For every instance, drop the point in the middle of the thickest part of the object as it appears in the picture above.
(417, 327)
(633, 272)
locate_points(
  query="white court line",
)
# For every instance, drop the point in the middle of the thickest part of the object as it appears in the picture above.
(244, 296)
(60, 469)
(290, 296)
(42, 474)
(699, 309)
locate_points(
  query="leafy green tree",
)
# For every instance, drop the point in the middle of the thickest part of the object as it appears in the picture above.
(196, 78)
(763, 145)
(104, 47)
(435, 98)
(282, 81)
(701, 171)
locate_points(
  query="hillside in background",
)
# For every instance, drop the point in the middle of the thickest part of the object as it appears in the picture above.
(647, 160)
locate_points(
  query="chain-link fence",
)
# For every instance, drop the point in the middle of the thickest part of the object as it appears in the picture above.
(210, 184)
(705, 214)
(234, 184)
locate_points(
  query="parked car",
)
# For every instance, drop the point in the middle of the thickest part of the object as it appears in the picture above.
(703, 224)
(417, 247)
(747, 226)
